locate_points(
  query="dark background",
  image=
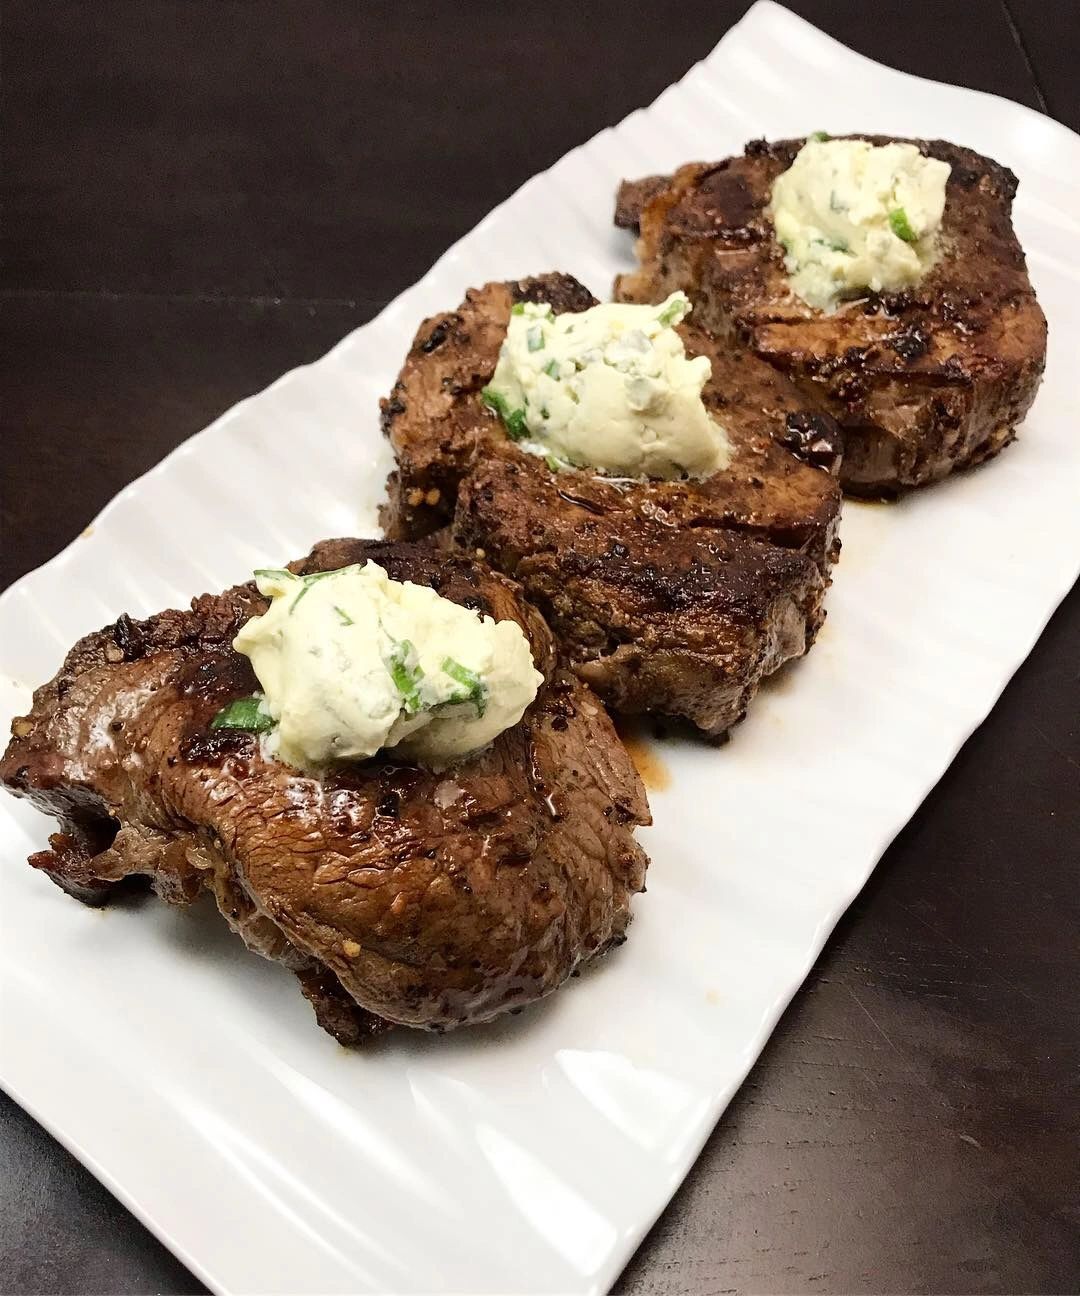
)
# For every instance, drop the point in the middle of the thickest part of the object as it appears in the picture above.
(204, 193)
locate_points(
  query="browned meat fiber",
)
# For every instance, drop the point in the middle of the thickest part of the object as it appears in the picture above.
(923, 381)
(397, 895)
(671, 597)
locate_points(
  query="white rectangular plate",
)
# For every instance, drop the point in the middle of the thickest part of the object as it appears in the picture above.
(533, 1155)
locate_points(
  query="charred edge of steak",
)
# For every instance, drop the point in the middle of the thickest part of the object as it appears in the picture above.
(634, 196)
(911, 343)
(335, 1009)
(814, 438)
(712, 576)
(562, 292)
(391, 407)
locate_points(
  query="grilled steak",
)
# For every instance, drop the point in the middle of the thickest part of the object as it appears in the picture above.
(395, 894)
(675, 597)
(922, 381)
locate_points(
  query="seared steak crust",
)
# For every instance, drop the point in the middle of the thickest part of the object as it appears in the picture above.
(674, 597)
(396, 894)
(656, 617)
(922, 381)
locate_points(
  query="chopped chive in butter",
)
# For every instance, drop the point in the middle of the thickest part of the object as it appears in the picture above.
(475, 691)
(901, 226)
(674, 311)
(516, 426)
(306, 583)
(406, 675)
(493, 400)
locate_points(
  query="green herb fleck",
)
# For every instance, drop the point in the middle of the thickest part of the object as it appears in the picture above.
(516, 427)
(475, 689)
(514, 419)
(535, 338)
(493, 400)
(552, 368)
(819, 136)
(673, 312)
(343, 616)
(274, 573)
(553, 463)
(518, 308)
(901, 226)
(834, 245)
(406, 675)
(308, 581)
(293, 605)
(243, 713)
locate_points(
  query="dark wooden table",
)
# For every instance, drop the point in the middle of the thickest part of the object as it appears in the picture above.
(202, 194)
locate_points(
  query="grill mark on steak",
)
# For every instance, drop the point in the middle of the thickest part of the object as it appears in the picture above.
(972, 327)
(616, 566)
(394, 893)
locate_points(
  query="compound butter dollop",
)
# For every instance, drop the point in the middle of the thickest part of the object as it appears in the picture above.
(352, 663)
(610, 388)
(854, 216)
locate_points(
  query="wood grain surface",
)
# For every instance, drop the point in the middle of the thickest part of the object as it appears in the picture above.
(200, 194)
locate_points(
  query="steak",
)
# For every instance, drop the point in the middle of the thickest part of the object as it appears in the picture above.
(922, 381)
(396, 894)
(673, 597)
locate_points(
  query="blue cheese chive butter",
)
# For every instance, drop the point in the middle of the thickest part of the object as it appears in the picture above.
(853, 216)
(352, 663)
(608, 388)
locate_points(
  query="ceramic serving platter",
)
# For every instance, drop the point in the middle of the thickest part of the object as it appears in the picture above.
(531, 1156)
